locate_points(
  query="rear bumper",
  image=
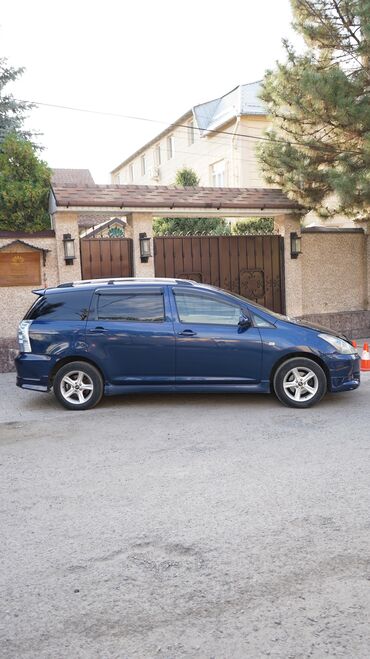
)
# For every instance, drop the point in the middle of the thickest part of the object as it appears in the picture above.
(33, 371)
(344, 372)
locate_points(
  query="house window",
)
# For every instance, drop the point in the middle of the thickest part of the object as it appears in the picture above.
(143, 165)
(170, 147)
(157, 155)
(131, 173)
(191, 133)
(218, 174)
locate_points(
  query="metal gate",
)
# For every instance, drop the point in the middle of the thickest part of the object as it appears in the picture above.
(106, 257)
(252, 266)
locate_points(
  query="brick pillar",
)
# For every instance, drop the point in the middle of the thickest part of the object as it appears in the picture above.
(288, 224)
(67, 223)
(141, 223)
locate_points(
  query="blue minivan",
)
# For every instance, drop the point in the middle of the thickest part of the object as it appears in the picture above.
(90, 338)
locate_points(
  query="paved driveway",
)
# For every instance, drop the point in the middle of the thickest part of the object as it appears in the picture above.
(200, 526)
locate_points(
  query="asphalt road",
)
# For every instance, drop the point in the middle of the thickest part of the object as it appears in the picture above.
(185, 526)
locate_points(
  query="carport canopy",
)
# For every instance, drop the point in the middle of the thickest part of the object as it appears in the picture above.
(169, 201)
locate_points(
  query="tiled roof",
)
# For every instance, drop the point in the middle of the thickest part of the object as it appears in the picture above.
(72, 177)
(144, 196)
(93, 218)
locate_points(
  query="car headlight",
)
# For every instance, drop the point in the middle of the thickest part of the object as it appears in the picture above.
(341, 346)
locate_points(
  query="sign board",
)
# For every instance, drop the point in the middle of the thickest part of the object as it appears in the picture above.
(20, 269)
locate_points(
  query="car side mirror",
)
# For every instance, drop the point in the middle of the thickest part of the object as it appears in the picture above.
(244, 322)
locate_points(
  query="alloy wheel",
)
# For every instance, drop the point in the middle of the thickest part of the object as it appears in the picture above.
(300, 384)
(76, 387)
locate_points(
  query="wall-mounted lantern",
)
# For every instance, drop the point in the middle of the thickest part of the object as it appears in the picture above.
(295, 245)
(69, 248)
(145, 251)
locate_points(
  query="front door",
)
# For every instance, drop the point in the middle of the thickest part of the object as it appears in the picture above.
(130, 335)
(211, 347)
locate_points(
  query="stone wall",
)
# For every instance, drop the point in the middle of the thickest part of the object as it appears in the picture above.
(335, 272)
(16, 300)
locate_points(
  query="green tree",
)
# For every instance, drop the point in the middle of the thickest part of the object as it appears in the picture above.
(12, 111)
(191, 226)
(319, 146)
(187, 178)
(24, 187)
(258, 225)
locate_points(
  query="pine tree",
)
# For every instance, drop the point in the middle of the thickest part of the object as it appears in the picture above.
(318, 149)
(12, 111)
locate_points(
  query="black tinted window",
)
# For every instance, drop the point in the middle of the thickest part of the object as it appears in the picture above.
(131, 307)
(71, 305)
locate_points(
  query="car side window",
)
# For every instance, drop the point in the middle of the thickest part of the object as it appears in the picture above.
(196, 308)
(147, 308)
(64, 305)
(261, 322)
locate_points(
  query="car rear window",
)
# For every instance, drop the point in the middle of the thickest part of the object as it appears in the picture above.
(139, 307)
(66, 305)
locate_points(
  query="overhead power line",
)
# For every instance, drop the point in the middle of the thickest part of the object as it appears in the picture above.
(179, 125)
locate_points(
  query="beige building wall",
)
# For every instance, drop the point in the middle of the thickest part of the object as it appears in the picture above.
(238, 154)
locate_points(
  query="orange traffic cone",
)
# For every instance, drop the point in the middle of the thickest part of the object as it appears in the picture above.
(365, 358)
(354, 343)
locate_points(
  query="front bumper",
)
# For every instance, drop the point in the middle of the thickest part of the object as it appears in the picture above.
(33, 371)
(344, 372)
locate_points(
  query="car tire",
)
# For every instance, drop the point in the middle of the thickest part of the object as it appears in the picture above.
(300, 382)
(78, 386)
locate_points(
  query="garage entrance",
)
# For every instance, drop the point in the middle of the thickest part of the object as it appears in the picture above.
(252, 266)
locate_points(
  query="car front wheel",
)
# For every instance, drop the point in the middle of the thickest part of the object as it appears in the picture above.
(300, 382)
(78, 386)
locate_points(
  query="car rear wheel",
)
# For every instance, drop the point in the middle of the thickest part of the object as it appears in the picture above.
(300, 382)
(78, 386)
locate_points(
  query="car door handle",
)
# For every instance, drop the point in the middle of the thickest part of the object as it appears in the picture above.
(98, 330)
(187, 332)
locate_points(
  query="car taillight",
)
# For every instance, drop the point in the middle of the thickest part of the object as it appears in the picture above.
(24, 337)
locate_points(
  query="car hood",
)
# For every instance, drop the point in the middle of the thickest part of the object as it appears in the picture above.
(316, 327)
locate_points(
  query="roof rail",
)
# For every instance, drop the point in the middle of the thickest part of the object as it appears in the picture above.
(133, 280)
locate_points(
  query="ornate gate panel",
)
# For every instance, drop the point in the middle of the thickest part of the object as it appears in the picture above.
(252, 266)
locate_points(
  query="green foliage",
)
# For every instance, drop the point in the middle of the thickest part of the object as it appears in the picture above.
(24, 187)
(260, 225)
(12, 112)
(187, 178)
(320, 106)
(116, 232)
(191, 226)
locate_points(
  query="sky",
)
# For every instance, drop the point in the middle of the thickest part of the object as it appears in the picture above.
(142, 58)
